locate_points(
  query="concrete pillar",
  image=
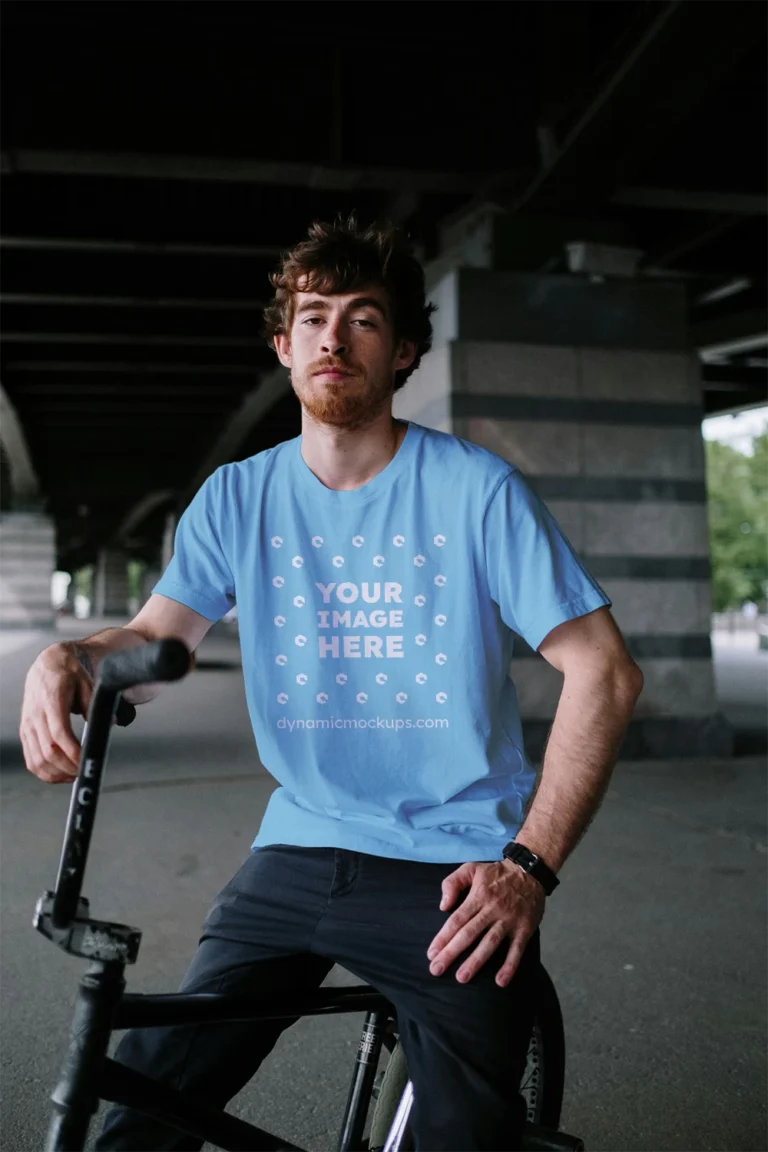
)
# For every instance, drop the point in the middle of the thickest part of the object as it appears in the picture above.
(589, 387)
(6, 487)
(110, 584)
(27, 563)
(69, 604)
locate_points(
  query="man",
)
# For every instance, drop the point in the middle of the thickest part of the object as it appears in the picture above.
(380, 570)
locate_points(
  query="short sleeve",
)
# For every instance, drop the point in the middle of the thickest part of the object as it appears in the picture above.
(199, 574)
(534, 574)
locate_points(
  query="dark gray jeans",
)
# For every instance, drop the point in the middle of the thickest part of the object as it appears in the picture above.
(282, 922)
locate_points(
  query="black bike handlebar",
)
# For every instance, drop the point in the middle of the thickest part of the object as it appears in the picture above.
(162, 660)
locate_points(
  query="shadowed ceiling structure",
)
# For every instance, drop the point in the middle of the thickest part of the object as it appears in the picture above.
(156, 159)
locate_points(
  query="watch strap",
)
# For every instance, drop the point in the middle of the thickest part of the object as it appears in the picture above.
(531, 862)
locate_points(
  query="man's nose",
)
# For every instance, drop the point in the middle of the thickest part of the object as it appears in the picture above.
(334, 342)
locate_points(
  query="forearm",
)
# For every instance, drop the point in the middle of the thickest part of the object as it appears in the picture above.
(589, 726)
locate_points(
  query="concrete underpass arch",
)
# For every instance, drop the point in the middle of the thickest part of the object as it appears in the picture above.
(24, 480)
(141, 509)
(27, 538)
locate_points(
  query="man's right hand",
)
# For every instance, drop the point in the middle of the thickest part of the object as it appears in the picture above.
(57, 686)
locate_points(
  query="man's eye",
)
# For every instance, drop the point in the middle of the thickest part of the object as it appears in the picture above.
(312, 319)
(366, 323)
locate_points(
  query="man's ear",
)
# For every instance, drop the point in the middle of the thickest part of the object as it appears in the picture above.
(406, 354)
(283, 349)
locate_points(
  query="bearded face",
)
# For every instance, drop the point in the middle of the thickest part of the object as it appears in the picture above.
(342, 393)
(343, 356)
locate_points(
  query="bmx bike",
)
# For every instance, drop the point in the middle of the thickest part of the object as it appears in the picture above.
(102, 1006)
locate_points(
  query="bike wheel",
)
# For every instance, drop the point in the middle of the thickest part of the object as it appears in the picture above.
(541, 1084)
(543, 1078)
(390, 1092)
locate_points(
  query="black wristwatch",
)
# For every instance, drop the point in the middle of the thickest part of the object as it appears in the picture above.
(532, 863)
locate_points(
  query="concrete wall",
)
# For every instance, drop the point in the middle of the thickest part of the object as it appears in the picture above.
(27, 559)
(110, 584)
(611, 439)
(6, 481)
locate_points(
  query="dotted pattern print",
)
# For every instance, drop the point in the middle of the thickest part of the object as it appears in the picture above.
(320, 622)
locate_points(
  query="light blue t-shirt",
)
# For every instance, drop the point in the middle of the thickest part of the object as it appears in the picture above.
(377, 628)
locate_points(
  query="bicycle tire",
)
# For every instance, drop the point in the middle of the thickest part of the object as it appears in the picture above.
(541, 1084)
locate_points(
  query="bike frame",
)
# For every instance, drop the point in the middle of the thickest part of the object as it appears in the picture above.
(88, 1075)
(102, 1007)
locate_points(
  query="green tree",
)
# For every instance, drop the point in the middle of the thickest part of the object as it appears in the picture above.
(82, 581)
(738, 523)
(758, 463)
(136, 569)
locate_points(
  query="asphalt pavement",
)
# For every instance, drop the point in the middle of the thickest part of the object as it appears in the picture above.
(656, 937)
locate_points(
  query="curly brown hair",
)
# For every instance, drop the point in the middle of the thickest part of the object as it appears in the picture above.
(343, 256)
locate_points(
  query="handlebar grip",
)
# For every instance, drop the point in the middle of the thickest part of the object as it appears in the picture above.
(160, 660)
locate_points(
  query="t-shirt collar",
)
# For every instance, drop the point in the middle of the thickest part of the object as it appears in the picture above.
(349, 499)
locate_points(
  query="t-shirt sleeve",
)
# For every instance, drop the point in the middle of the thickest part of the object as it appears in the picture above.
(199, 574)
(535, 576)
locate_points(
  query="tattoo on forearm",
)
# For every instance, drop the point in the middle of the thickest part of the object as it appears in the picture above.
(83, 656)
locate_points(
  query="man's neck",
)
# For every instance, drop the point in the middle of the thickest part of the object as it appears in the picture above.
(344, 460)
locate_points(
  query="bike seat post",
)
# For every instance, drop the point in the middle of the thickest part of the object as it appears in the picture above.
(76, 1096)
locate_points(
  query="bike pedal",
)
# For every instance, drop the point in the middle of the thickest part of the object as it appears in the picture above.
(90, 939)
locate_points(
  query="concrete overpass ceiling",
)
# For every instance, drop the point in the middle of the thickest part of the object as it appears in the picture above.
(157, 158)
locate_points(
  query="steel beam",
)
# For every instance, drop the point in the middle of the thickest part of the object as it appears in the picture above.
(648, 96)
(136, 247)
(135, 323)
(587, 134)
(733, 347)
(676, 200)
(102, 400)
(730, 333)
(37, 298)
(298, 174)
(731, 287)
(129, 338)
(137, 368)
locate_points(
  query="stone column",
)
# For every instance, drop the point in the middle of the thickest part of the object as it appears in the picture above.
(589, 387)
(27, 563)
(110, 584)
(6, 481)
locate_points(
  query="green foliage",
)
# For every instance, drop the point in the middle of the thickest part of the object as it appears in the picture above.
(136, 569)
(82, 582)
(738, 523)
